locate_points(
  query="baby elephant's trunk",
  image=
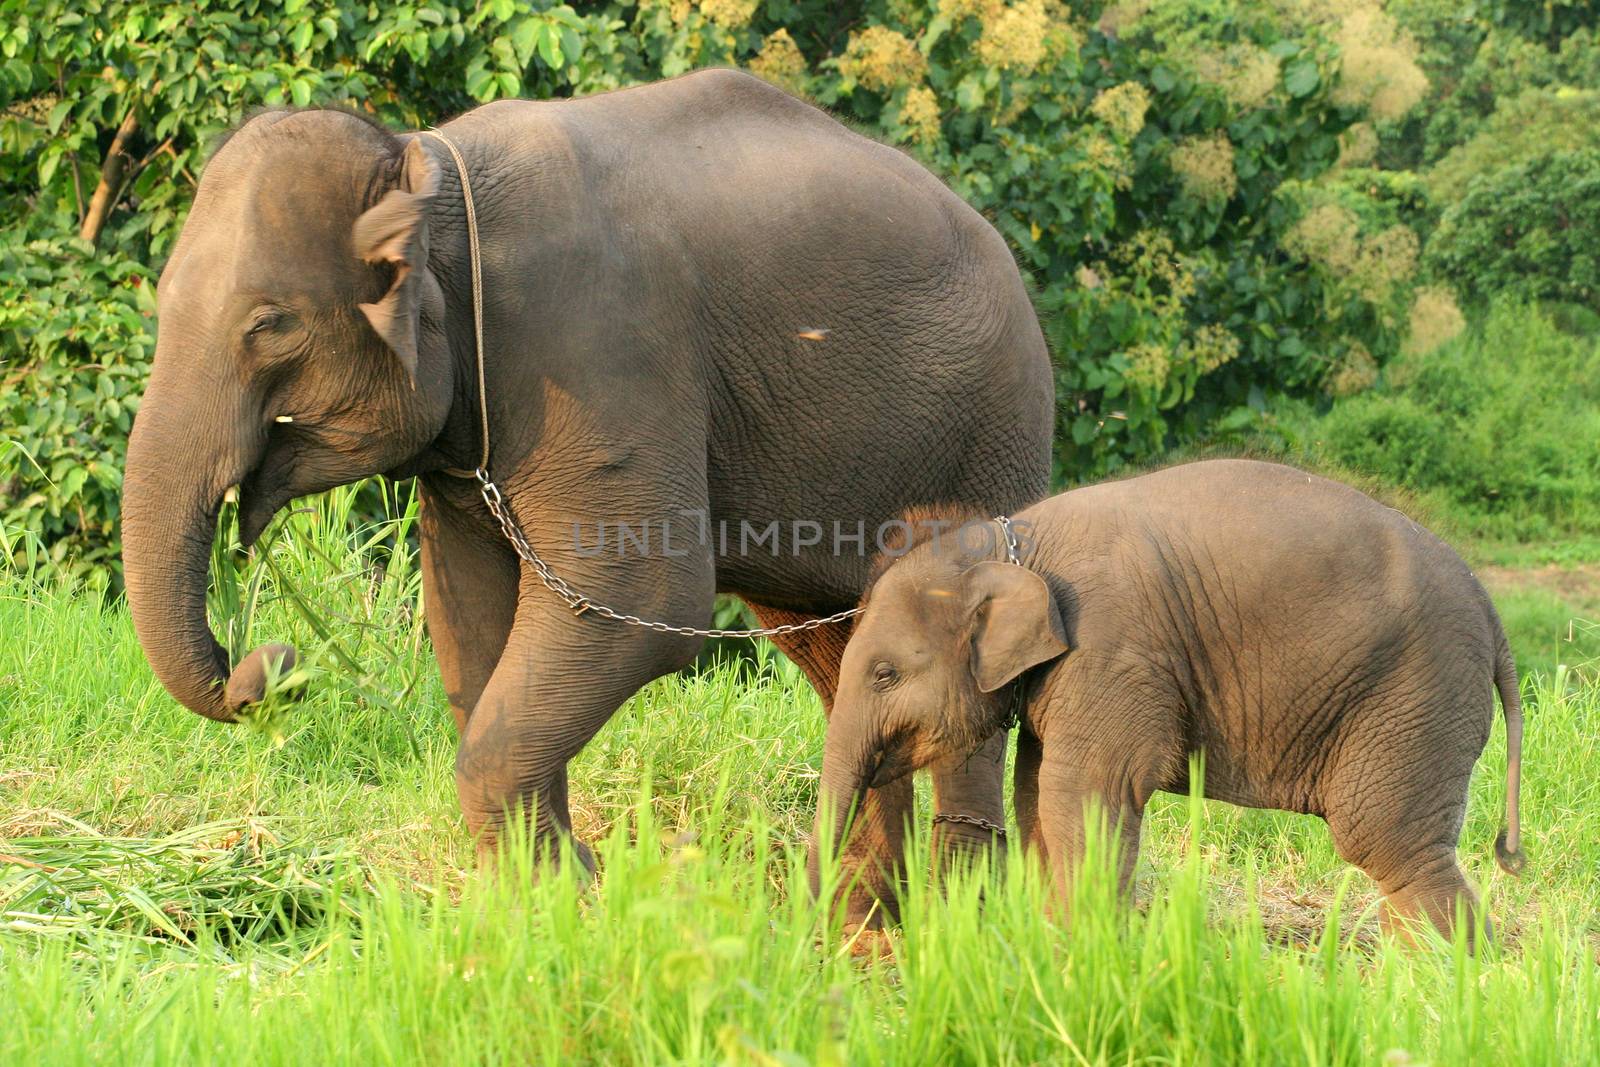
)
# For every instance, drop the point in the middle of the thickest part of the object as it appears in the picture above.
(1508, 844)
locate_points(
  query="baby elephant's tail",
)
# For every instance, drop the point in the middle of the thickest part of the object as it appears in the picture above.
(1508, 843)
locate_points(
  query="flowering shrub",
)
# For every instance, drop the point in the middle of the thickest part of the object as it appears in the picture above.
(1153, 165)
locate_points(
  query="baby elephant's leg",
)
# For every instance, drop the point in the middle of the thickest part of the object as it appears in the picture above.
(1072, 795)
(1433, 889)
(1398, 818)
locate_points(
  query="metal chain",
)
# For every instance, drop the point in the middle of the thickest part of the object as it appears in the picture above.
(580, 603)
(477, 290)
(1013, 548)
(971, 820)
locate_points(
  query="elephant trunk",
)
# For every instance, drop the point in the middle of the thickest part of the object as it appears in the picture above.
(847, 765)
(167, 530)
(172, 491)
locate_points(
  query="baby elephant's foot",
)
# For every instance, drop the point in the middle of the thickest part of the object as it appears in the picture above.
(1437, 893)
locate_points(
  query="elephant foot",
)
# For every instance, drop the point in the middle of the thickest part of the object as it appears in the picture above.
(868, 942)
(870, 910)
(536, 856)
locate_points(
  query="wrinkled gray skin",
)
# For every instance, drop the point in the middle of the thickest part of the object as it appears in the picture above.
(1325, 653)
(651, 258)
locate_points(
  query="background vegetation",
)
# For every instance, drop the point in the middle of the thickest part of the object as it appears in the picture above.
(1222, 204)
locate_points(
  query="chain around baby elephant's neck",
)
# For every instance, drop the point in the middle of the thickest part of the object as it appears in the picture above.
(1009, 537)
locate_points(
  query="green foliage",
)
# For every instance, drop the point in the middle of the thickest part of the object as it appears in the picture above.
(1496, 428)
(1527, 230)
(1188, 184)
(1510, 120)
(1478, 64)
(77, 347)
(1534, 123)
(76, 70)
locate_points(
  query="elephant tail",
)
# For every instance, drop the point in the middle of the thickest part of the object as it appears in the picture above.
(1508, 843)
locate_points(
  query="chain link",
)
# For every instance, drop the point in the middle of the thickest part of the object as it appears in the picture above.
(580, 603)
(971, 820)
(1013, 548)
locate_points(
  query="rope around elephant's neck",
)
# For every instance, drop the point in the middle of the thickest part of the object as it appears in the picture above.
(508, 523)
(477, 300)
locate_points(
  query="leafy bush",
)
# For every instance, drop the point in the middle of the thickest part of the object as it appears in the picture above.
(76, 335)
(1477, 59)
(1526, 125)
(1512, 92)
(1184, 181)
(1497, 428)
(1529, 230)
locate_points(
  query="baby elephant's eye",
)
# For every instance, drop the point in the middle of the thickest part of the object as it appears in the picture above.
(883, 676)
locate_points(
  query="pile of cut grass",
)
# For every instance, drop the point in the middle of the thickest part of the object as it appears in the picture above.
(228, 882)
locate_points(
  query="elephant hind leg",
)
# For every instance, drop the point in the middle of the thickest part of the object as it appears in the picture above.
(1396, 796)
(1414, 863)
(1432, 889)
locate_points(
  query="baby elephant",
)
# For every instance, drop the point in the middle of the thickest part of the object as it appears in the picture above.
(1325, 653)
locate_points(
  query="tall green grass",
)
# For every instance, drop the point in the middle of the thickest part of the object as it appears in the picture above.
(195, 893)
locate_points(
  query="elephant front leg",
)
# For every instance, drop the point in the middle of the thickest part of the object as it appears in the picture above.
(469, 581)
(560, 678)
(1073, 797)
(872, 858)
(970, 789)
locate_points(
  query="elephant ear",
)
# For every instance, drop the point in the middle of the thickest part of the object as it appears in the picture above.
(394, 231)
(1014, 622)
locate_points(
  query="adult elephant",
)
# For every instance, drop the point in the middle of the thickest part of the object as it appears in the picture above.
(701, 294)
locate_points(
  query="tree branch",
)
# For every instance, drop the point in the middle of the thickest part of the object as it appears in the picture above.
(149, 157)
(111, 172)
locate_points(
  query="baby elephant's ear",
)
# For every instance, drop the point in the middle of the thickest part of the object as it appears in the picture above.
(395, 231)
(1014, 622)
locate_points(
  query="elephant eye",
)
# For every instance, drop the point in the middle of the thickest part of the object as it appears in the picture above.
(883, 676)
(264, 322)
